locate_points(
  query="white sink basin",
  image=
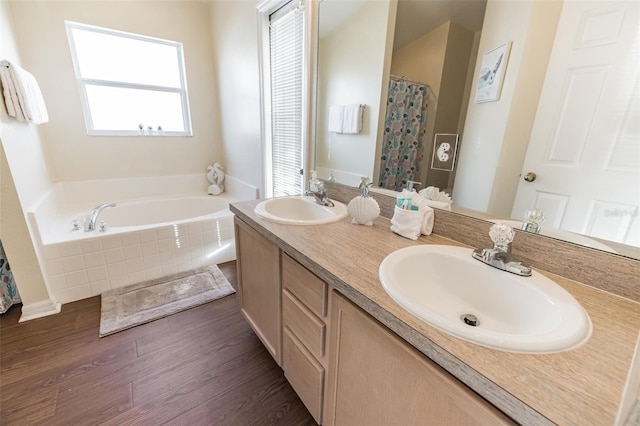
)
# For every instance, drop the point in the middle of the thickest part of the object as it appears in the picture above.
(300, 210)
(441, 284)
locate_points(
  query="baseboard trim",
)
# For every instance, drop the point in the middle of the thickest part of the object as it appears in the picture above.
(39, 310)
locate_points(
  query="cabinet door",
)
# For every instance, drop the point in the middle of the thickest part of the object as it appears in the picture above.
(258, 264)
(375, 378)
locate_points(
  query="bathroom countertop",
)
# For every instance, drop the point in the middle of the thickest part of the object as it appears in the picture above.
(581, 386)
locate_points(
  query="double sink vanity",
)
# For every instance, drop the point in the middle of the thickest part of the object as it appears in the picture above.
(373, 328)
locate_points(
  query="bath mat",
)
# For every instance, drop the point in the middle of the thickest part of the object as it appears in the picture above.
(136, 304)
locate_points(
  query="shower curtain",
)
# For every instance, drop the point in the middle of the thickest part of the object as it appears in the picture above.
(8, 291)
(404, 130)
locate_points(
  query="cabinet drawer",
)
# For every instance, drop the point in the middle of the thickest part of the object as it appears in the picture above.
(304, 373)
(303, 323)
(308, 288)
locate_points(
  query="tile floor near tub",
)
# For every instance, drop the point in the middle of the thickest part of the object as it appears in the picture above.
(87, 267)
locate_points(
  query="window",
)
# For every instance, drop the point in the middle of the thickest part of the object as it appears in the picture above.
(129, 84)
(285, 100)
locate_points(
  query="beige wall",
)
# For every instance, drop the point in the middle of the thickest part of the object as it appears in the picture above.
(74, 155)
(236, 76)
(496, 133)
(219, 45)
(469, 80)
(18, 245)
(34, 157)
(21, 154)
(423, 60)
(454, 76)
(352, 71)
(440, 58)
(452, 93)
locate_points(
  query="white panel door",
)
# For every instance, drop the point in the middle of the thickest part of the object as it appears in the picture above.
(585, 141)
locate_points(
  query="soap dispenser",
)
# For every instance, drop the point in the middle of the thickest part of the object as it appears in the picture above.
(363, 209)
(410, 184)
(405, 198)
(315, 184)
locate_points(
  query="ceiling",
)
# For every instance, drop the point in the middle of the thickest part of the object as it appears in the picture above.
(333, 13)
(418, 17)
(414, 17)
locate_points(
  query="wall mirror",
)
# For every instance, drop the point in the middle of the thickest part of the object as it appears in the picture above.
(362, 44)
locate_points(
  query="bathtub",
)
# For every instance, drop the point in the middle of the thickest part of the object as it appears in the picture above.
(147, 237)
(151, 213)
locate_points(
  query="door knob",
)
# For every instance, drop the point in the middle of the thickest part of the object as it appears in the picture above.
(530, 177)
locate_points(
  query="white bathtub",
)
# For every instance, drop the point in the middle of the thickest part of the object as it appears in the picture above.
(150, 213)
(146, 238)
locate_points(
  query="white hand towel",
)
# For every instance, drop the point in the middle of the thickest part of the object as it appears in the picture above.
(407, 223)
(436, 198)
(352, 122)
(336, 118)
(10, 94)
(439, 204)
(28, 94)
(33, 102)
(424, 207)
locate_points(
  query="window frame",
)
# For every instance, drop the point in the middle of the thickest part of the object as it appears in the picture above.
(82, 83)
(264, 10)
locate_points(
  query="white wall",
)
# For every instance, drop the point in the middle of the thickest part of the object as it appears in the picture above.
(531, 75)
(234, 29)
(496, 133)
(24, 178)
(352, 71)
(42, 41)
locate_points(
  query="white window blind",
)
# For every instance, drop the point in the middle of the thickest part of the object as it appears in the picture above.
(286, 41)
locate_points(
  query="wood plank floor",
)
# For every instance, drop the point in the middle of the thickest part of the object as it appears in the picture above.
(203, 366)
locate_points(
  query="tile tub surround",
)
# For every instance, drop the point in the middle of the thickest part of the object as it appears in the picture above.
(77, 265)
(79, 269)
(582, 386)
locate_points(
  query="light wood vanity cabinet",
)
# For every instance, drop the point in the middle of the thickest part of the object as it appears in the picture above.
(345, 366)
(378, 379)
(258, 266)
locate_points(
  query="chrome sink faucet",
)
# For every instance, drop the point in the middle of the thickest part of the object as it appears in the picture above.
(500, 255)
(532, 220)
(320, 196)
(92, 216)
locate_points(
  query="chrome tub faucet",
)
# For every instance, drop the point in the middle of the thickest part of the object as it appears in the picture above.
(92, 216)
(500, 255)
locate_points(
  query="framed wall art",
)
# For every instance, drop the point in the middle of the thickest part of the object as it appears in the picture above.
(492, 70)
